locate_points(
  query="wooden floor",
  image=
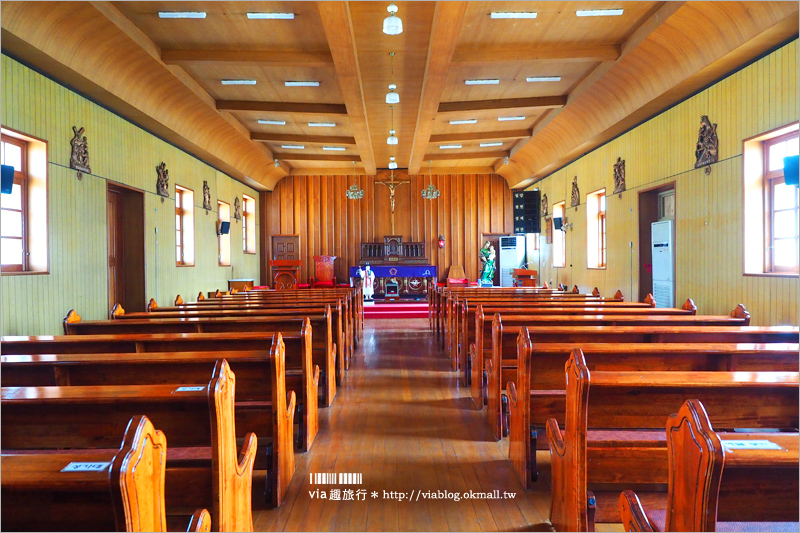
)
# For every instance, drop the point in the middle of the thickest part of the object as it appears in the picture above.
(403, 422)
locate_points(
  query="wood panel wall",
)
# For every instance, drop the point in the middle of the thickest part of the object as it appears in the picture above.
(120, 152)
(316, 208)
(709, 222)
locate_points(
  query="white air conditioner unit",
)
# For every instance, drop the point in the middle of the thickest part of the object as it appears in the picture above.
(512, 255)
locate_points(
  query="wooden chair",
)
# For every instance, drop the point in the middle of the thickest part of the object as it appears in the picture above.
(712, 488)
(456, 277)
(125, 492)
(323, 272)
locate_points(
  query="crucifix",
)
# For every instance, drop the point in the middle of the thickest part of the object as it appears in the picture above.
(392, 185)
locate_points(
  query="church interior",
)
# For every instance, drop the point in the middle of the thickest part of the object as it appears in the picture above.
(400, 266)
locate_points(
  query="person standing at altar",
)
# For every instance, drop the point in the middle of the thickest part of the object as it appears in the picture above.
(368, 283)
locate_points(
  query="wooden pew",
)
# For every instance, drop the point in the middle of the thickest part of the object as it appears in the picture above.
(41, 361)
(716, 487)
(332, 366)
(202, 464)
(614, 437)
(116, 491)
(544, 379)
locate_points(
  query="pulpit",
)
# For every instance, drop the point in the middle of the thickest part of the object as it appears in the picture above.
(524, 277)
(323, 271)
(284, 273)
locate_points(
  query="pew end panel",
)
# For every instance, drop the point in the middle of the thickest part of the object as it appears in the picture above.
(200, 522)
(283, 407)
(116, 311)
(634, 517)
(72, 318)
(521, 447)
(741, 312)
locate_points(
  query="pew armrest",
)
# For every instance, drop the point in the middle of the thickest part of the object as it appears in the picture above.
(316, 377)
(633, 515)
(201, 521)
(247, 455)
(555, 437)
(511, 392)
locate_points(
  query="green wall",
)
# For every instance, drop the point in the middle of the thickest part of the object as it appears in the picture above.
(123, 153)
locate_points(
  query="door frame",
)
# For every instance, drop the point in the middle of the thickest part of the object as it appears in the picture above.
(650, 195)
(122, 189)
(271, 257)
(490, 237)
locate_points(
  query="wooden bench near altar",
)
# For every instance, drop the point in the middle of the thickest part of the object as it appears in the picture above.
(405, 262)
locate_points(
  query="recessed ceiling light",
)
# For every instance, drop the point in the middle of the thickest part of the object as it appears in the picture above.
(301, 83)
(481, 82)
(486, 145)
(293, 146)
(322, 124)
(543, 78)
(465, 121)
(599, 13)
(238, 82)
(182, 14)
(520, 15)
(449, 146)
(334, 148)
(501, 119)
(273, 16)
(272, 122)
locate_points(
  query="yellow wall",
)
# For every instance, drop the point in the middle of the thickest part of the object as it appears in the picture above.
(119, 152)
(709, 224)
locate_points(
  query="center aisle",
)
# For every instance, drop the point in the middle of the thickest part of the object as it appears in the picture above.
(402, 421)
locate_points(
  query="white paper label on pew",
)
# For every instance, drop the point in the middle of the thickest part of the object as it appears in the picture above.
(189, 389)
(86, 467)
(750, 445)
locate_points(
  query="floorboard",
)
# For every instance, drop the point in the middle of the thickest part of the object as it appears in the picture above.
(403, 422)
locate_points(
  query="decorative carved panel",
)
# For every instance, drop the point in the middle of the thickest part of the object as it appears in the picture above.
(79, 159)
(576, 194)
(619, 175)
(548, 228)
(162, 182)
(206, 196)
(544, 205)
(707, 149)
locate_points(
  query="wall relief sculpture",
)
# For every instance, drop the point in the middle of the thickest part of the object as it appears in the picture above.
(237, 209)
(79, 159)
(619, 175)
(544, 205)
(206, 196)
(707, 147)
(162, 182)
(576, 194)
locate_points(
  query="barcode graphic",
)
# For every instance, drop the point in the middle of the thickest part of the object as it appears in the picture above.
(332, 478)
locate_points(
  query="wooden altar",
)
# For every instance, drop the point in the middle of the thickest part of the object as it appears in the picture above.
(395, 261)
(284, 273)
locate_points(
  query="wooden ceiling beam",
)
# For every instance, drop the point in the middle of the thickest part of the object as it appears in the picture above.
(481, 56)
(317, 157)
(469, 155)
(282, 107)
(447, 19)
(307, 139)
(338, 25)
(541, 102)
(480, 136)
(262, 58)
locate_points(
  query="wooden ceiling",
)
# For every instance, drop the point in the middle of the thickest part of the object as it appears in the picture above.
(165, 74)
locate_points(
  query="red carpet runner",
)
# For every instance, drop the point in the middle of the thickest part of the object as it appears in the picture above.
(395, 311)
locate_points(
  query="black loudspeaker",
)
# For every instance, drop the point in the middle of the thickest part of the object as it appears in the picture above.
(558, 223)
(526, 211)
(790, 170)
(6, 179)
(224, 228)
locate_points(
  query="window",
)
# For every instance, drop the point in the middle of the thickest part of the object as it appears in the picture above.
(224, 215)
(23, 213)
(184, 226)
(781, 209)
(596, 229)
(248, 225)
(770, 206)
(559, 246)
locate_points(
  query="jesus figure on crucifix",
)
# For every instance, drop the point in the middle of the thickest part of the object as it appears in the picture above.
(392, 185)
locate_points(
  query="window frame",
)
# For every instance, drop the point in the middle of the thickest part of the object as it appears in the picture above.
(181, 213)
(562, 240)
(771, 178)
(248, 221)
(21, 179)
(220, 236)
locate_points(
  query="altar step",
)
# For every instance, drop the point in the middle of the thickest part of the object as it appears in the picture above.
(395, 311)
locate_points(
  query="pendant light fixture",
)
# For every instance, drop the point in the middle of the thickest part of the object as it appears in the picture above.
(391, 139)
(354, 192)
(430, 192)
(392, 163)
(392, 97)
(392, 25)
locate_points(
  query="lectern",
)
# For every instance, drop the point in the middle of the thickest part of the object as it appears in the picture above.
(284, 273)
(524, 277)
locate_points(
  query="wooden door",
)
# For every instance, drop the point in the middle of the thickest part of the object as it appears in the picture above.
(116, 261)
(285, 247)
